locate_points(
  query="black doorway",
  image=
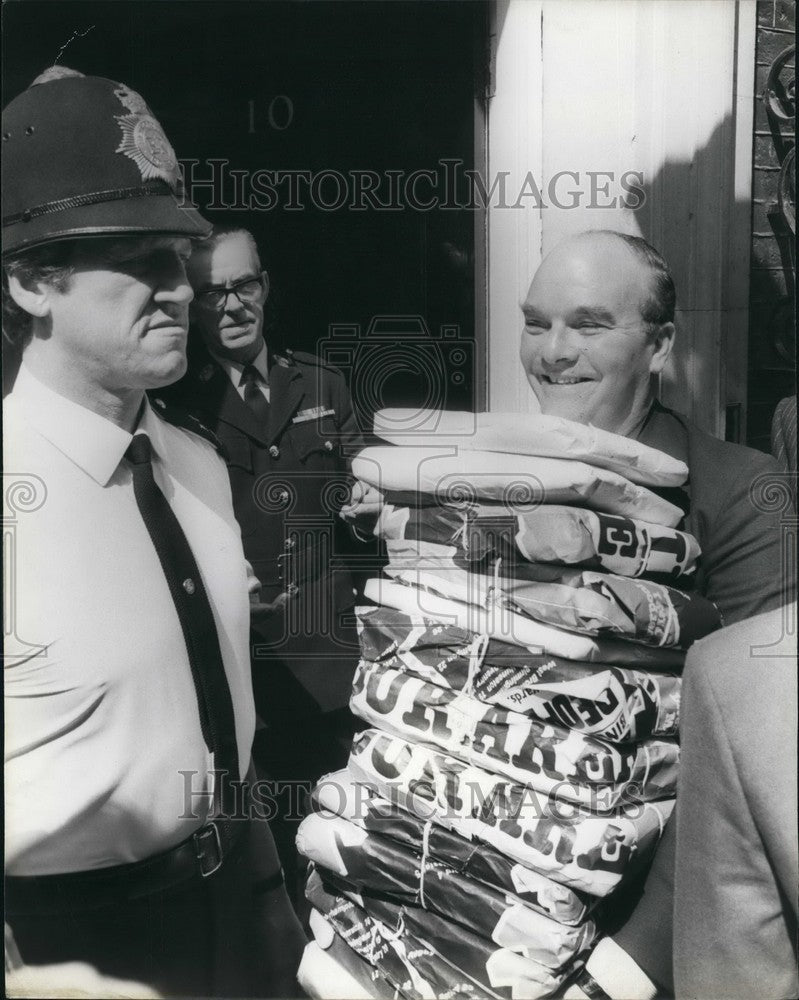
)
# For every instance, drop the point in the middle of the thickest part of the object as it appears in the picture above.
(330, 92)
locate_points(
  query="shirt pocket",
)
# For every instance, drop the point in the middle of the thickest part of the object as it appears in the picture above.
(316, 442)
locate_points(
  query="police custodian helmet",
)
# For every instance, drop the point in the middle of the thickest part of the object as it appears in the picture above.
(84, 156)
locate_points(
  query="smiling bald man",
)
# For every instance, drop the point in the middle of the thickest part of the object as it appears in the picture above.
(598, 323)
(598, 329)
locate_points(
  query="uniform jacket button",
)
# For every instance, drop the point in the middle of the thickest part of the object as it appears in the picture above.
(329, 445)
(274, 451)
(292, 590)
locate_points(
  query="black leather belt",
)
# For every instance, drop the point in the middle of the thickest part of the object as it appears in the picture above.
(200, 856)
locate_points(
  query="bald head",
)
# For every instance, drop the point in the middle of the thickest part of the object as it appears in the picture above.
(598, 325)
(630, 259)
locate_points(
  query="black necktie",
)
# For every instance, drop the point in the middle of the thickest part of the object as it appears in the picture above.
(182, 574)
(253, 397)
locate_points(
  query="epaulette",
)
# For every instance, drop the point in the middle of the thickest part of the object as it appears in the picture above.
(179, 417)
(288, 358)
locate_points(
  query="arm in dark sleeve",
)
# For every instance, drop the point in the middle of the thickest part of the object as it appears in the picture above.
(747, 562)
(351, 439)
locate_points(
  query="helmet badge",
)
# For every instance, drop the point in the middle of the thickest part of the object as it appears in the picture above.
(144, 141)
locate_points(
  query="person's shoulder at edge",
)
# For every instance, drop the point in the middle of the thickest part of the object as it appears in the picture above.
(783, 435)
(177, 416)
(197, 389)
(785, 411)
(289, 358)
(761, 648)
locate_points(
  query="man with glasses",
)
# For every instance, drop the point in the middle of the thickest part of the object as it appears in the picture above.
(287, 424)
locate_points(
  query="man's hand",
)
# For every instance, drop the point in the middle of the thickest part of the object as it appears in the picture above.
(260, 610)
(364, 506)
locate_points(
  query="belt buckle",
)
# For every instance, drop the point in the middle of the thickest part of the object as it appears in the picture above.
(201, 843)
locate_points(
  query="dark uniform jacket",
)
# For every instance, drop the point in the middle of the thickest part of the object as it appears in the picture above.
(289, 481)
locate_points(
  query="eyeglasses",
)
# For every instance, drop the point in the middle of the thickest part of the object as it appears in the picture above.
(246, 291)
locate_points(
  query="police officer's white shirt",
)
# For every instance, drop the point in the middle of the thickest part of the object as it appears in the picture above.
(234, 372)
(101, 709)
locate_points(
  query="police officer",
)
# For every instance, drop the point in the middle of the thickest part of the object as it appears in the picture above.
(288, 428)
(130, 845)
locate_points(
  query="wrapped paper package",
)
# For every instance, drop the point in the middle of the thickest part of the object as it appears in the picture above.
(597, 604)
(379, 866)
(434, 597)
(531, 434)
(378, 946)
(542, 542)
(486, 475)
(445, 601)
(620, 545)
(346, 974)
(567, 842)
(617, 703)
(324, 976)
(338, 793)
(444, 956)
(551, 759)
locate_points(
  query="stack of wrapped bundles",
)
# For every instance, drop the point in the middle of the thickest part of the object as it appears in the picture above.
(520, 675)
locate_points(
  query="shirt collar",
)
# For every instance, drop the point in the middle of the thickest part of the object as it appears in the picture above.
(235, 369)
(153, 426)
(94, 443)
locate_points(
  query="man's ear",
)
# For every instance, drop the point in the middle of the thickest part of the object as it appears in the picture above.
(662, 344)
(266, 285)
(33, 297)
